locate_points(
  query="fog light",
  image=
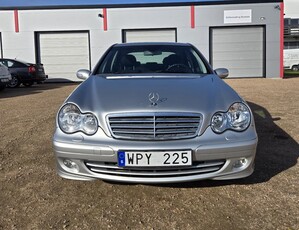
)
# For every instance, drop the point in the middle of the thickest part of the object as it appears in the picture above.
(240, 163)
(71, 164)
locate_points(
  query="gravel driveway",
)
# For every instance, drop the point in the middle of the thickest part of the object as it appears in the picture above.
(32, 196)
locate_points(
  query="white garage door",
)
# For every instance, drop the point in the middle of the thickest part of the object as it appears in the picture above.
(240, 50)
(163, 35)
(63, 54)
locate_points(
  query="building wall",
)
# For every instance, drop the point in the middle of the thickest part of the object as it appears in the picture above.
(21, 44)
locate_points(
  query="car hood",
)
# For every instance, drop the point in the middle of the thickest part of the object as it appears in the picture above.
(192, 94)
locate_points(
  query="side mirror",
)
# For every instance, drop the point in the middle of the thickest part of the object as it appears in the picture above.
(222, 72)
(83, 74)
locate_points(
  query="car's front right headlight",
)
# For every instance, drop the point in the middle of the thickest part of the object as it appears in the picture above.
(71, 120)
(237, 118)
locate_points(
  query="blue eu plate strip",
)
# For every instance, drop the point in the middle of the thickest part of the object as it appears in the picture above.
(121, 159)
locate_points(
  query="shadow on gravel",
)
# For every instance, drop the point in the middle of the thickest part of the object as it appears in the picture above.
(276, 152)
(35, 89)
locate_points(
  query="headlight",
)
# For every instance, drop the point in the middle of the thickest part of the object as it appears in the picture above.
(71, 120)
(236, 118)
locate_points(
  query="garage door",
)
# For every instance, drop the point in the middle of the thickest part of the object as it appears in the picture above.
(240, 50)
(150, 35)
(63, 54)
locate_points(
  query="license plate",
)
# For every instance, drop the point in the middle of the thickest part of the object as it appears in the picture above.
(4, 80)
(154, 158)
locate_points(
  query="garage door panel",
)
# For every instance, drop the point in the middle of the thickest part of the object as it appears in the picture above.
(61, 42)
(254, 36)
(163, 35)
(243, 64)
(240, 72)
(224, 47)
(234, 32)
(250, 56)
(240, 50)
(64, 53)
(63, 69)
(72, 59)
(224, 41)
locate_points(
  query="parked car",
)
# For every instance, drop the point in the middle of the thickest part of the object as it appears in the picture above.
(23, 72)
(5, 76)
(291, 59)
(154, 113)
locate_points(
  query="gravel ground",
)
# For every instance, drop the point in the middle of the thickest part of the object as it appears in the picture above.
(32, 196)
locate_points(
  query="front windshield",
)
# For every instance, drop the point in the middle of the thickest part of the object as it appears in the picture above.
(152, 59)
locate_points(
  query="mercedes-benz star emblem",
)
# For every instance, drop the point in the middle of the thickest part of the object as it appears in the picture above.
(154, 98)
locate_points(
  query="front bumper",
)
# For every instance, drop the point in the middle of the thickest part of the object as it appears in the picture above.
(214, 157)
(5, 80)
(34, 78)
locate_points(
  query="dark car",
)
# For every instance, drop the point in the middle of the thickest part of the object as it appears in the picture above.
(23, 72)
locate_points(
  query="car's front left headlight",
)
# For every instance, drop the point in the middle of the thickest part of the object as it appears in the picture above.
(237, 118)
(71, 120)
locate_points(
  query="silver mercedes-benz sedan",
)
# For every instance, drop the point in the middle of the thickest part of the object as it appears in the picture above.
(154, 113)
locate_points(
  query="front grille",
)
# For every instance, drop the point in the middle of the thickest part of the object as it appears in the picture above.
(198, 167)
(154, 126)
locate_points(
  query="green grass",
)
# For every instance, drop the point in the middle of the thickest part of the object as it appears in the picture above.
(290, 73)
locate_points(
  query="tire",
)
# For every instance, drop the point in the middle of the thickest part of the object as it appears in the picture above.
(295, 67)
(28, 84)
(15, 82)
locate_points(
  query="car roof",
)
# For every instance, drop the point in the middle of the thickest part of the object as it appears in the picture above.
(151, 43)
(16, 60)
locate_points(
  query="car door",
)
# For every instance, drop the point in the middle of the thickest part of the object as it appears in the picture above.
(16, 68)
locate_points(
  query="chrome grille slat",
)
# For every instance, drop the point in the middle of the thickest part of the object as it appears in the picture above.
(171, 131)
(163, 126)
(196, 168)
(131, 121)
(131, 126)
(154, 126)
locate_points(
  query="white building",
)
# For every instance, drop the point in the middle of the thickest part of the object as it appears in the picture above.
(246, 38)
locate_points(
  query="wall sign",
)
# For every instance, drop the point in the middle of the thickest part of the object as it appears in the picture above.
(237, 16)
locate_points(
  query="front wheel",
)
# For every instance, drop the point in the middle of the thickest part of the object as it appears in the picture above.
(15, 82)
(295, 67)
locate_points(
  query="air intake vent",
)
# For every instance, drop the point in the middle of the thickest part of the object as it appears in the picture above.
(197, 168)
